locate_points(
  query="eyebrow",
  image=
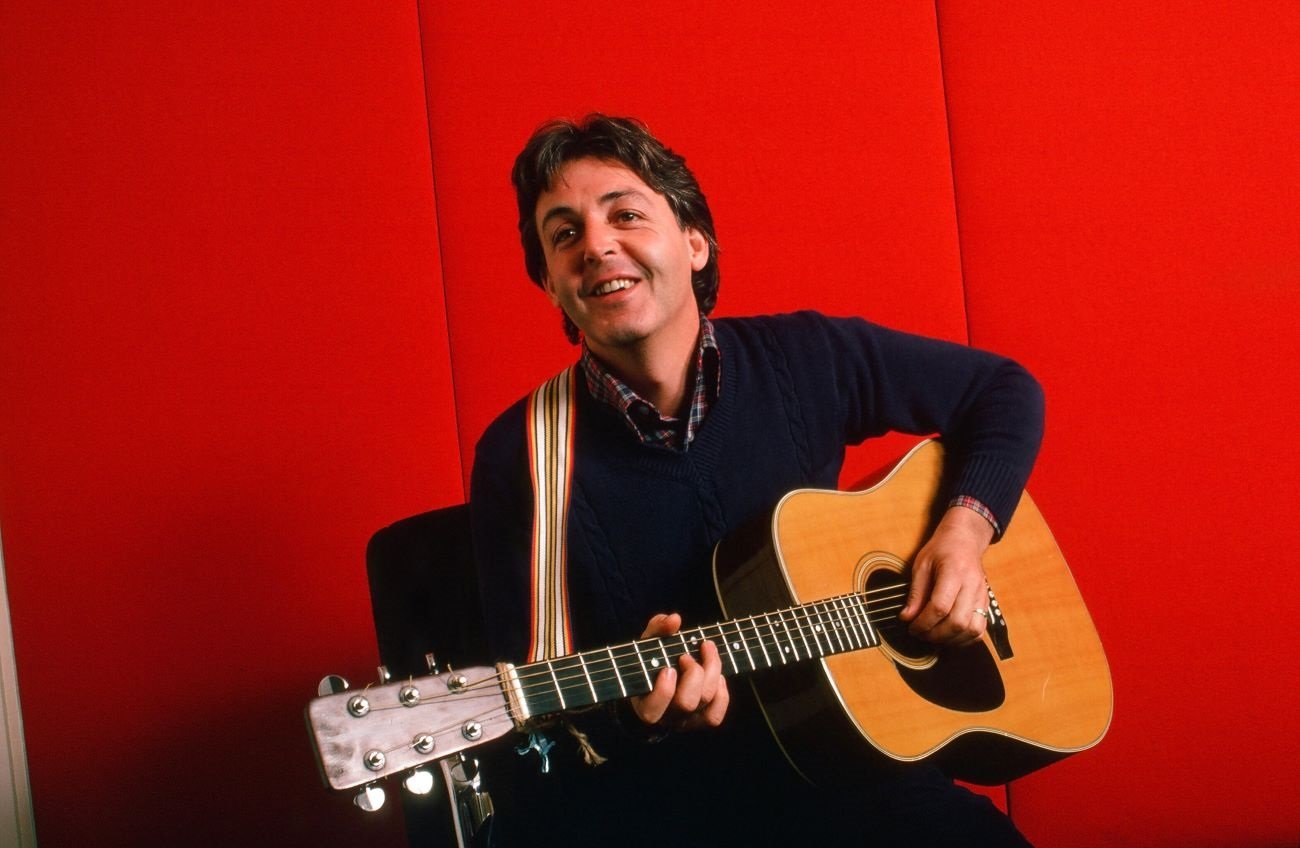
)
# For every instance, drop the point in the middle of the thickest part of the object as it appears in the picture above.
(604, 200)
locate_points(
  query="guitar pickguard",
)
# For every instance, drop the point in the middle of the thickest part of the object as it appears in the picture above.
(964, 679)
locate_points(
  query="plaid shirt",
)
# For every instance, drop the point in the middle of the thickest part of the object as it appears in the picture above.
(652, 427)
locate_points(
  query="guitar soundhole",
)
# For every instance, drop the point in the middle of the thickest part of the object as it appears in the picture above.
(963, 679)
(885, 583)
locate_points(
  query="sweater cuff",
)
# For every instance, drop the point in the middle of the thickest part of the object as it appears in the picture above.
(972, 504)
(995, 485)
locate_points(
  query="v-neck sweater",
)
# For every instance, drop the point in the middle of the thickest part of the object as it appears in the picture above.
(795, 390)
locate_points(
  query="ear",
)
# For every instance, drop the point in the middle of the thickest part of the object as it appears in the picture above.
(698, 246)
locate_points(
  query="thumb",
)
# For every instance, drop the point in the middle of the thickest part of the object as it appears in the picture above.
(663, 624)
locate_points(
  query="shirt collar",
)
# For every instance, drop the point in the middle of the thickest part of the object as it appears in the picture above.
(649, 425)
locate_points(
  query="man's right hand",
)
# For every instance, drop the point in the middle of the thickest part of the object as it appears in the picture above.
(690, 696)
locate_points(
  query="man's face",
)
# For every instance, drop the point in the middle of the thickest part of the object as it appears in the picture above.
(617, 261)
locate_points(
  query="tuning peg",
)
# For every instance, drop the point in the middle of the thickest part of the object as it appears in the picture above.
(432, 662)
(384, 675)
(419, 782)
(370, 798)
(331, 684)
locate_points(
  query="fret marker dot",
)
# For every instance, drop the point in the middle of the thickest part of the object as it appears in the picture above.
(654, 662)
(817, 627)
(735, 646)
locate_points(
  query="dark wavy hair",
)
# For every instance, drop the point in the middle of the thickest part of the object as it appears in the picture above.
(627, 142)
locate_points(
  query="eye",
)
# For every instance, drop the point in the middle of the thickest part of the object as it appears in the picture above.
(562, 234)
(625, 216)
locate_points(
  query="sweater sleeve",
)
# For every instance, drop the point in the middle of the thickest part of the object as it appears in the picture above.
(987, 408)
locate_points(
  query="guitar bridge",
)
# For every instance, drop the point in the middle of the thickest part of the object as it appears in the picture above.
(998, 633)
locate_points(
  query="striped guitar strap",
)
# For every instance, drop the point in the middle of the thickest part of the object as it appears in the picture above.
(551, 410)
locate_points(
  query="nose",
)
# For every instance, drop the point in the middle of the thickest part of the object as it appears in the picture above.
(597, 242)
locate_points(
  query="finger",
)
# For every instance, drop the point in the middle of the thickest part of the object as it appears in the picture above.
(919, 588)
(974, 630)
(711, 662)
(650, 708)
(713, 714)
(663, 624)
(963, 624)
(937, 607)
(690, 685)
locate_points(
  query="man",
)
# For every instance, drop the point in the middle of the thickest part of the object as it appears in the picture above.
(685, 429)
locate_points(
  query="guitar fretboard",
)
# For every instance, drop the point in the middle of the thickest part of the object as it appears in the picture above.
(768, 640)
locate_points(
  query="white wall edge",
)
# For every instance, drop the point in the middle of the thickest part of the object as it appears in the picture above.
(17, 822)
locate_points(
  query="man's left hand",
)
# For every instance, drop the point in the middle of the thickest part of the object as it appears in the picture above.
(948, 583)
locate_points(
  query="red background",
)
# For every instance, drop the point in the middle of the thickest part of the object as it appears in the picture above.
(262, 291)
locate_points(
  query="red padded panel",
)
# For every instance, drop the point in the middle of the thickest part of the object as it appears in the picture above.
(1127, 183)
(223, 364)
(820, 140)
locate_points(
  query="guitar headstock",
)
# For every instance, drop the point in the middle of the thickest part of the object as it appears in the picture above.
(361, 735)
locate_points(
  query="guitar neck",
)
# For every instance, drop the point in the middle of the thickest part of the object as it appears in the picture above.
(795, 634)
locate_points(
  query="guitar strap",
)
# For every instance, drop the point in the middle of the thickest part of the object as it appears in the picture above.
(550, 417)
(552, 411)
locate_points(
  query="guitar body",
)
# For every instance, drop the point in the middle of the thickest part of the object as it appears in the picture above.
(987, 713)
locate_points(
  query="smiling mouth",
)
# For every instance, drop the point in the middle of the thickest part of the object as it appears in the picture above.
(611, 286)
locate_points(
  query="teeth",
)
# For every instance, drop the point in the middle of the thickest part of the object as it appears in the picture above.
(613, 286)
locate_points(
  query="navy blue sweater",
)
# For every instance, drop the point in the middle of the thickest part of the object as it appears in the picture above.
(796, 389)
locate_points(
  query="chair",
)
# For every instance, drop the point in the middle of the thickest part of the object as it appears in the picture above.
(424, 598)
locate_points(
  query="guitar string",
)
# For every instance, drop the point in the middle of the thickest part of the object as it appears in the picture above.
(492, 685)
(606, 671)
(541, 677)
(836, 640)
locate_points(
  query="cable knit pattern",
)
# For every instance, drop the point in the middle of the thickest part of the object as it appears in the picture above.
(795, 389)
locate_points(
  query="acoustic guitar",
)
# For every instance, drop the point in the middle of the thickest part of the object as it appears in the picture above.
(814, 590)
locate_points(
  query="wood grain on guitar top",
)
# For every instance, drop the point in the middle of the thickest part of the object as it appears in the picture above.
(999, 718)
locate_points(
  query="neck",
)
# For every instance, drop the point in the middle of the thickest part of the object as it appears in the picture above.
(657, 369)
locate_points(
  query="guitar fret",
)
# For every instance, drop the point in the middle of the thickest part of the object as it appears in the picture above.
(780, 652)
(851, 603)
(645, 671)
(617, 676)
(736, 643)
(863, 641)
(789, 637)
(872, 638)
(855, 639)
(807, 651)
(722, 637)
(664, 648)
(762, 647)
(835, 626)
(837, 622)
(816, 629)
(558, 693)
(587, 674)
(742, 643)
